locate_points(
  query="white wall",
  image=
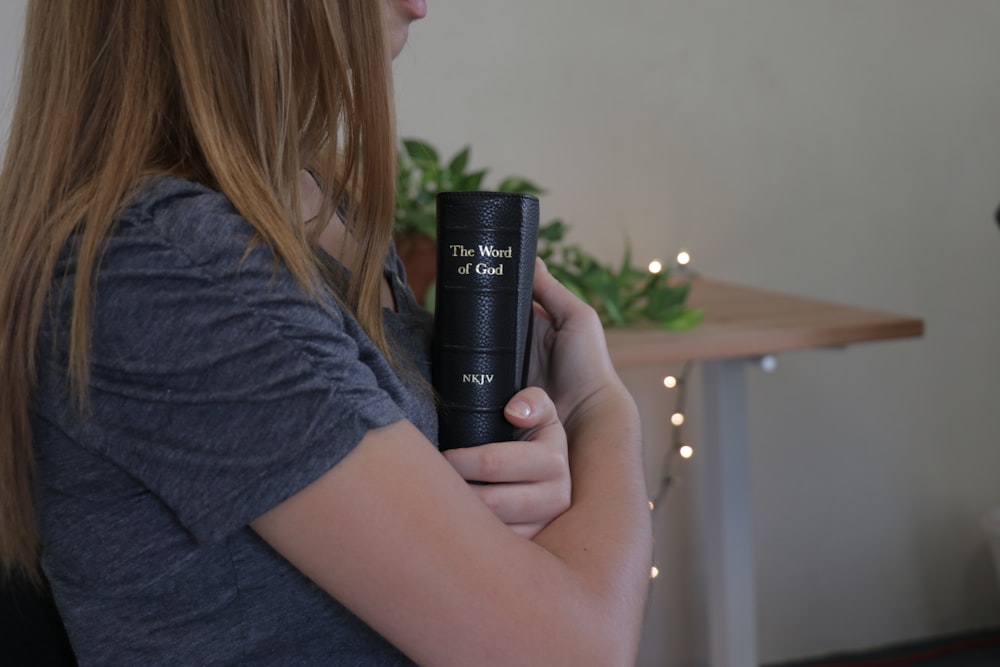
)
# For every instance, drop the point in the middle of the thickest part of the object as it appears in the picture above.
(11, 30)
(840, 149)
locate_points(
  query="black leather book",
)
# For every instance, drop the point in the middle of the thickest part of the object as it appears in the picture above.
(482, 325)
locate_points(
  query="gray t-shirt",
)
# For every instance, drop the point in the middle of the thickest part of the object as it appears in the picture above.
(217, 390)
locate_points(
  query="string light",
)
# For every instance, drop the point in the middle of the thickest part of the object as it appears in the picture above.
(677, 447)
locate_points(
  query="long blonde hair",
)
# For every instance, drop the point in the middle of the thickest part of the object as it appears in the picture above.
(234, 94)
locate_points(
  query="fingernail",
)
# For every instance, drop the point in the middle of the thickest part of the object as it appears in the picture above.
(540, 264)
(518, 409)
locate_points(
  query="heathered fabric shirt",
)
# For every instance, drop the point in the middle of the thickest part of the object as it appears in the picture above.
(217, 390)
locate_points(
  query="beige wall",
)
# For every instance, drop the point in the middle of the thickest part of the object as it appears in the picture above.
(842, 149)
(11, 29)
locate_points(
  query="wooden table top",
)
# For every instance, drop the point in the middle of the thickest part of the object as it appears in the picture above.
(745, 322)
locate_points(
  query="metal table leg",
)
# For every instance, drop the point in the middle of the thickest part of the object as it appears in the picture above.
(725, 517)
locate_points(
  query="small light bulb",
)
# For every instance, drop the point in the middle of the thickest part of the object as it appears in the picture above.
(651, 506)
(670, 382)
(686, 451)
(677, 419)
(654, 572)
(655, 266)
(683, 258)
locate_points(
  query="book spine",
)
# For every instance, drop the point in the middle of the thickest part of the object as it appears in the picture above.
(487, 243)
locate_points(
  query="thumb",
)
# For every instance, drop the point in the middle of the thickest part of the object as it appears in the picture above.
(530, 408)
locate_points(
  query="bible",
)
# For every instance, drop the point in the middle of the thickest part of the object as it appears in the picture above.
(487, 243)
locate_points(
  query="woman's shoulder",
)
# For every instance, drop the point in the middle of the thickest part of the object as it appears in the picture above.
(173, 219)
(177, 205)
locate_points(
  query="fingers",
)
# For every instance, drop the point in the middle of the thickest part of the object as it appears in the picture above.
(528, 482)
(527, 530)
(556, 299)
(525, 505)
(539, 456)
(509, 462)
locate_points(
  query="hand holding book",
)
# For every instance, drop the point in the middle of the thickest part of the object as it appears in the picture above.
(526, 483)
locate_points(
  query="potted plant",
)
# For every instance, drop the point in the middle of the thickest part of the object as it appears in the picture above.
(621, 295)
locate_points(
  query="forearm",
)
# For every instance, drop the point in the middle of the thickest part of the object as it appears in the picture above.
(605, 537)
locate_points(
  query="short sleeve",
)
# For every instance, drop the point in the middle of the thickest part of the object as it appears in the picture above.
(216, 382)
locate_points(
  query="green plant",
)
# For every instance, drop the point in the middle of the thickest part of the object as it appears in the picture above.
(621, 295)
(421, 174)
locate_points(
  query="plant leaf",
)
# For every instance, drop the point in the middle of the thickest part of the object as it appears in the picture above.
(660, 303)
(421, 152)
(552, 231)
(623, 272)
(687, 318)
(473, 181)
(520, 185)
(458, 163)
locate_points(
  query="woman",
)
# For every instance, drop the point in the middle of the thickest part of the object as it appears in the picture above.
(217, 435)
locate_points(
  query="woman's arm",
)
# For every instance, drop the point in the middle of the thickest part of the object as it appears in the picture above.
(395, 535)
